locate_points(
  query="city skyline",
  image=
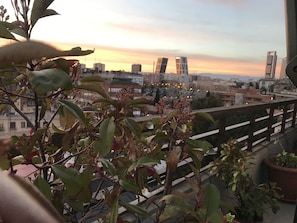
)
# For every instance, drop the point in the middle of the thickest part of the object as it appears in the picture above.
(217, 36)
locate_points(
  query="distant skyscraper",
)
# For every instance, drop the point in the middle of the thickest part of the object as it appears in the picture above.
(161, 65)
(270, 64)
(136, 68)
(99, 67)
(283, 74)
(182, 65)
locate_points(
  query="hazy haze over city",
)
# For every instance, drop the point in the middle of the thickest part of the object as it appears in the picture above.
(217, 36)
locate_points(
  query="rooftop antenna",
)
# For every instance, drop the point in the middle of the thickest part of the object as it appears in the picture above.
(291, 39)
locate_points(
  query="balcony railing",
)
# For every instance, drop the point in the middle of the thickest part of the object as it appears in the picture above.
(260, 123)
(264, 120)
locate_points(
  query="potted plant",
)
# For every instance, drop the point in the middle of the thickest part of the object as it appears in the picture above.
(282, 169)
(250, 198)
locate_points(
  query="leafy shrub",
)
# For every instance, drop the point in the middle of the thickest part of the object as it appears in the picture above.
(286, 159)
(251, 199)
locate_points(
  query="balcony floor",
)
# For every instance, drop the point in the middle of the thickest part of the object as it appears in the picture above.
(284, 215)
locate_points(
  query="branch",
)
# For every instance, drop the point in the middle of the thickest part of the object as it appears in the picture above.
(29, 123)
(16, 95)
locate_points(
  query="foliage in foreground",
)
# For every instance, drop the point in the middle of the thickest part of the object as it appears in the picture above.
(98, 154)
(251, 198)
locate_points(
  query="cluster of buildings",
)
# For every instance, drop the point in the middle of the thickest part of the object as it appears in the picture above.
(170, 86)
(181, 65)
(269, 82)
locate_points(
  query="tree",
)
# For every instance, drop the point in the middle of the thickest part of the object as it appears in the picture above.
(209, 101)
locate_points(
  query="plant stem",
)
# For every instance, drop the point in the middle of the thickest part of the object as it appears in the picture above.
(36, 127)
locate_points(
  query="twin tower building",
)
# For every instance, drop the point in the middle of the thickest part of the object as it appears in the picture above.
(181, 65)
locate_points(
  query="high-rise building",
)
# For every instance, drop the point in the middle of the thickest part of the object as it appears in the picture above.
(99, 67)
(283, 74)
(136, 68)
(181, 65)
(161, 65)
(270, 64)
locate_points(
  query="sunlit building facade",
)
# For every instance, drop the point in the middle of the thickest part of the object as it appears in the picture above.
(136, 68)
(283, 74)
(161, 65)
(181, 65)
(99, 67)
(270, 64)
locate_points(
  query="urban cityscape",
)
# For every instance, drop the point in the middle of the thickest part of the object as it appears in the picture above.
(190, 132)
(170, 86)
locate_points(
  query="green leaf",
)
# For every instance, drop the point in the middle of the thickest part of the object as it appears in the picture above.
(19, 32)
(3, 107)
(4, 33)
(22, 52)
(37, 135)
(9, 25)
(76, 205)
(170, 212)
(135, 209)
(204, 116)
(107, 101)
(143, 161)
(212, 199)
(171, 115)
(39, 9)
(146, 161)
(199, 144)
(172, 158)
(129, 186)
(74, 109)
(197, 157)
(68, 137)
(113, 217)
(133, 126)
(106, 130)
(161, 137)
(193, 184)
(56, 129)
(84, 142)
(42, 110)
(217, 217)
(100, 148)
(76, 51)
(4, 163)
(69, 177)
(67, 120)
(43, 81)
(49, 12)
(43, 187)
(108, 167)
(139, 101)
(62, 64)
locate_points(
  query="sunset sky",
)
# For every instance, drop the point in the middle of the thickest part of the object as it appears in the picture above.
(217, 36)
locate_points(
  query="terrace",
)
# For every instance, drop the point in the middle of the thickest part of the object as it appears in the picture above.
(257, 134)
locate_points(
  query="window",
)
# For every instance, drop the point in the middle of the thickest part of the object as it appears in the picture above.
(1, 127)
(30, 103)
(12, 125)
(23, 125)
(114, 90)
